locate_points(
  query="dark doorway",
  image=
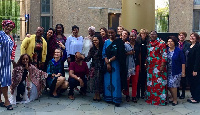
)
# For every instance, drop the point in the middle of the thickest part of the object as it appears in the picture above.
(113, 20)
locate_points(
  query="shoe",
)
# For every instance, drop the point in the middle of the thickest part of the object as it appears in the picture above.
(94, 99)
(142, 97)
(71, 97)
(174, 104)
(98, 100)
(194, 102)
(170, 101)
(2, 104)
(134, 99)
(182, 97)
(117, 104)
(9, 107)
(189, 100)
(127, 98)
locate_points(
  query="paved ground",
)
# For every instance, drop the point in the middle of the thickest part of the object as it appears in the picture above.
(83, 105)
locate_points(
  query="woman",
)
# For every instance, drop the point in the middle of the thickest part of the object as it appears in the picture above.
(184, 46)
(28, 82)
(55, 79)
(73, 44)
(143, 41)
(192, 68)
(130, 64)
(115, 77)
(59, 36)
(87, 42)
(96, 76)
(49, 38)
(120, 29)
(77, 72)
(5, 61)
(156, 93)
(133, 77)
(175, 68)
(104, 34)
(36, 47)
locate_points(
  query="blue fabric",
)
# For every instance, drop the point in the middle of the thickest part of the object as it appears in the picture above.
(112, 82)
(6, 45)
(178, 59)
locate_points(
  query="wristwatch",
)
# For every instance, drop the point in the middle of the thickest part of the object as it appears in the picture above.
(109, 60)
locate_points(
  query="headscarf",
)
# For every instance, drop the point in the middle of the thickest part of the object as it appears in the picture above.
(92, 28)
(6, 22)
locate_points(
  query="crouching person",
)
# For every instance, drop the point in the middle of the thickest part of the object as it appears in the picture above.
(78, 74)
(28, 82)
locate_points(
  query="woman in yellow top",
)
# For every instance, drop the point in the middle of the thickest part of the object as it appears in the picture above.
(36, 47)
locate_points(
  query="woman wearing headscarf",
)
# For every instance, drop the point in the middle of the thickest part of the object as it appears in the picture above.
(87, 42)
(6, 48)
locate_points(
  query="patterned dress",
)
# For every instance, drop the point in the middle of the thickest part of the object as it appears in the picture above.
(173, 80)
(6, 46)
(156, 92)
(95, 83)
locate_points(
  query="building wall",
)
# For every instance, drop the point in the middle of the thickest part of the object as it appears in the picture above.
(80, 13)
(181, 16)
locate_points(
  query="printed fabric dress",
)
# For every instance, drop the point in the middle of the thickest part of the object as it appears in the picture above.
(95, 83)
(156, 91)
(6, 46)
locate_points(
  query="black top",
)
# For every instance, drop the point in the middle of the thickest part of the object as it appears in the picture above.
(136, 55)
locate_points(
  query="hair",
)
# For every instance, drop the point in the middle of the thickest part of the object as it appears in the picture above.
(196, 35)
(184, 33)
(19, 63)
(127, 31)
(61, 52)
(100, 44)
(113, 30)
(52, 30)
(106, 31)
(174, 39)
(75, 27)
(61, 27)
(121, 27)
(144, 31)
(135, 30)
(154, 31)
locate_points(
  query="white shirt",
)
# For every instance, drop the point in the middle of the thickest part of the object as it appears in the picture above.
(74, 45)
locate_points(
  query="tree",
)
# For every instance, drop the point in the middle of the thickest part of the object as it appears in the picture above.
(162, 19)
(10, 9)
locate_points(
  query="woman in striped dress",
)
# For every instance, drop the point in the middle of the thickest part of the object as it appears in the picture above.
(6, 46)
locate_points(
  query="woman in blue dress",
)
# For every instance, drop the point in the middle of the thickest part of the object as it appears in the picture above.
(6, 45)
(115, 64)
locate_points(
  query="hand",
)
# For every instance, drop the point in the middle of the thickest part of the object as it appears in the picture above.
(183, 74)
(109, 69)
(194, 73)
(12, 91)
(59, 74)
(81, 82)
(106, 60)
(161, 69)
(61, 45)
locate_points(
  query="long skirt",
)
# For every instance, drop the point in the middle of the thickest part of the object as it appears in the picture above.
(112, 84)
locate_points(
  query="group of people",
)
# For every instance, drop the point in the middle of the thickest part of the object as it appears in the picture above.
(102, 64)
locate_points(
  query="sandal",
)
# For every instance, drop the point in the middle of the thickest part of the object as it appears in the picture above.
(9, 107)
(2, 104)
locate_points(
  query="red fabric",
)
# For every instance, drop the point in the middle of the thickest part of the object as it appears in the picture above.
(79, 70)
(13, 49)
(134, 79)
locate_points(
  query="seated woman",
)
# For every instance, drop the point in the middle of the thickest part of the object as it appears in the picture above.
(27, 81)
(55, 79)
(77, 72)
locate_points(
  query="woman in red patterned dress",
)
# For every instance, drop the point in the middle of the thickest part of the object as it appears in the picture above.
(156, 92)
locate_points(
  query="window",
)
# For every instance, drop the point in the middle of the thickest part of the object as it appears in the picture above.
(46, 14)
(196, 20)
(196, 2)
(45, 4)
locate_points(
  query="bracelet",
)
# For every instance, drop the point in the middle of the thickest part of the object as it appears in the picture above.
(109, 60)
(78, 78)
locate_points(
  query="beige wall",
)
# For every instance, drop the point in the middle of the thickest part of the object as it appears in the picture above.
(138, 14)
(76, 12)
(180, 16)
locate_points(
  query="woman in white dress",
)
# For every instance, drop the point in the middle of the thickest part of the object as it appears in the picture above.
(74, 43)
(87, 43)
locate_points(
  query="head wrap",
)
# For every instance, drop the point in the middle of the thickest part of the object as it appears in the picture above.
(6, 22)
(92, 28)
(133, 31)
